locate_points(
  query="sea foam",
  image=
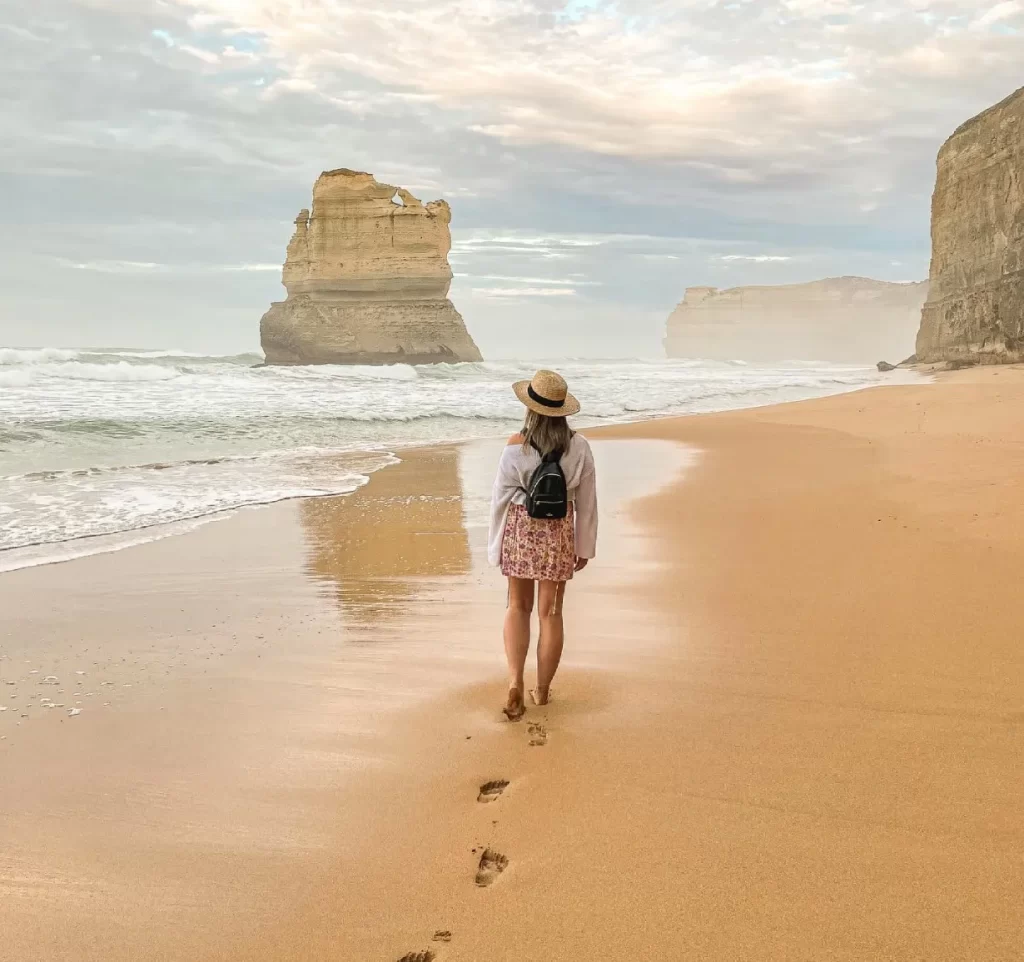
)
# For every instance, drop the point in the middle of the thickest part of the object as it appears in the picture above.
(102, 448)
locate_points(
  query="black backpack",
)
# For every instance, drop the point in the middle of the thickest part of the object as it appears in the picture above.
(547, 495)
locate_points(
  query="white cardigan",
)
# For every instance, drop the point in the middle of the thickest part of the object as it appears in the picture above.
(515, 469)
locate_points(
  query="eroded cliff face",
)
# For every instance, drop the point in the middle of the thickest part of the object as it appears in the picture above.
(843, 319)
(367, 278)
(975, 311)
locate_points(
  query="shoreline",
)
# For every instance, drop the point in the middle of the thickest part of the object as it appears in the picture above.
(775, 734)
(46, 553)
(245, 659)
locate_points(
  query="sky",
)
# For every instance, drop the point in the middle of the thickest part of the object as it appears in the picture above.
(600, 156)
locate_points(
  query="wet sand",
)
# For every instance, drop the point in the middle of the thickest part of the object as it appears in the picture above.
(243, 694)
(788, 724)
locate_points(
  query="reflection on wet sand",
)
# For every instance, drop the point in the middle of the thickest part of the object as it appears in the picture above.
(369, 547)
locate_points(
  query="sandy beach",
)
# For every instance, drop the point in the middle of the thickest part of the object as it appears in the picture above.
(788, 723)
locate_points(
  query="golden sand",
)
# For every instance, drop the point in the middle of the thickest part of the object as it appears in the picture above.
(787, 727)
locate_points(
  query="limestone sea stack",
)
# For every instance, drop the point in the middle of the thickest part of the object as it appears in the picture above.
(842, 319)
(367, 277)
(975, 309)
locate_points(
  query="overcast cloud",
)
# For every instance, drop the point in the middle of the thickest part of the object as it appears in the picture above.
(599, 156)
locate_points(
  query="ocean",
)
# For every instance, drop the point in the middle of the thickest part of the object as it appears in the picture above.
(107, 448)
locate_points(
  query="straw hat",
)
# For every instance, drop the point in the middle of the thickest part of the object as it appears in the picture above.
(547, 394)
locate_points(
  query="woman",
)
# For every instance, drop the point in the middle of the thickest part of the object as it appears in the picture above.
(539, 555)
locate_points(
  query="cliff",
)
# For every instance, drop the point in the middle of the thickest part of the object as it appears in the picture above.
(367, 278)
(975, 311)
(842, 319)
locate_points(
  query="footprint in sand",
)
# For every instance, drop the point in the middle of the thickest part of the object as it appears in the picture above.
(492, 864)
(425, 956)
(489, 791)
(538, 734)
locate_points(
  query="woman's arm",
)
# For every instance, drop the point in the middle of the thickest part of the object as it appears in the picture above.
(586, 509)
(506, 483)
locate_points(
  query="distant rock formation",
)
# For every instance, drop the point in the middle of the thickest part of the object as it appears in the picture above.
(975, 311)
(843, 319)
(367, 279)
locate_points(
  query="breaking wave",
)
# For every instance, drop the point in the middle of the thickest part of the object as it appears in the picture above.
(100, 445)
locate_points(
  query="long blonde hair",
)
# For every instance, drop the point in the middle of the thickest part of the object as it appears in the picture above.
(546, 434)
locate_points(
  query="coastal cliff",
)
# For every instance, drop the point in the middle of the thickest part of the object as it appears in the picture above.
(843, 319)
(367, 278)
(975, 311)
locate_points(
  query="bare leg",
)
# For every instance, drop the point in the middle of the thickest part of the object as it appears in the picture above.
(552, 636)
(517, 641)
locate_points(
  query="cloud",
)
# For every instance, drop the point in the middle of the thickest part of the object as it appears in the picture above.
(1000, 13)
(116, 267)
(475, 243)
(633, 148)
(749, 94)
(506, 292)
(151, 267)
(756, 258)
(22, 32)
(567, 281)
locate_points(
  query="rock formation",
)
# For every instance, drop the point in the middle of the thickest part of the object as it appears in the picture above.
(843, 319)
(367, 278)
(975, 311)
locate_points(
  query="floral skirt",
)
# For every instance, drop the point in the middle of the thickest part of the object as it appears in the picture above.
(541, 549)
